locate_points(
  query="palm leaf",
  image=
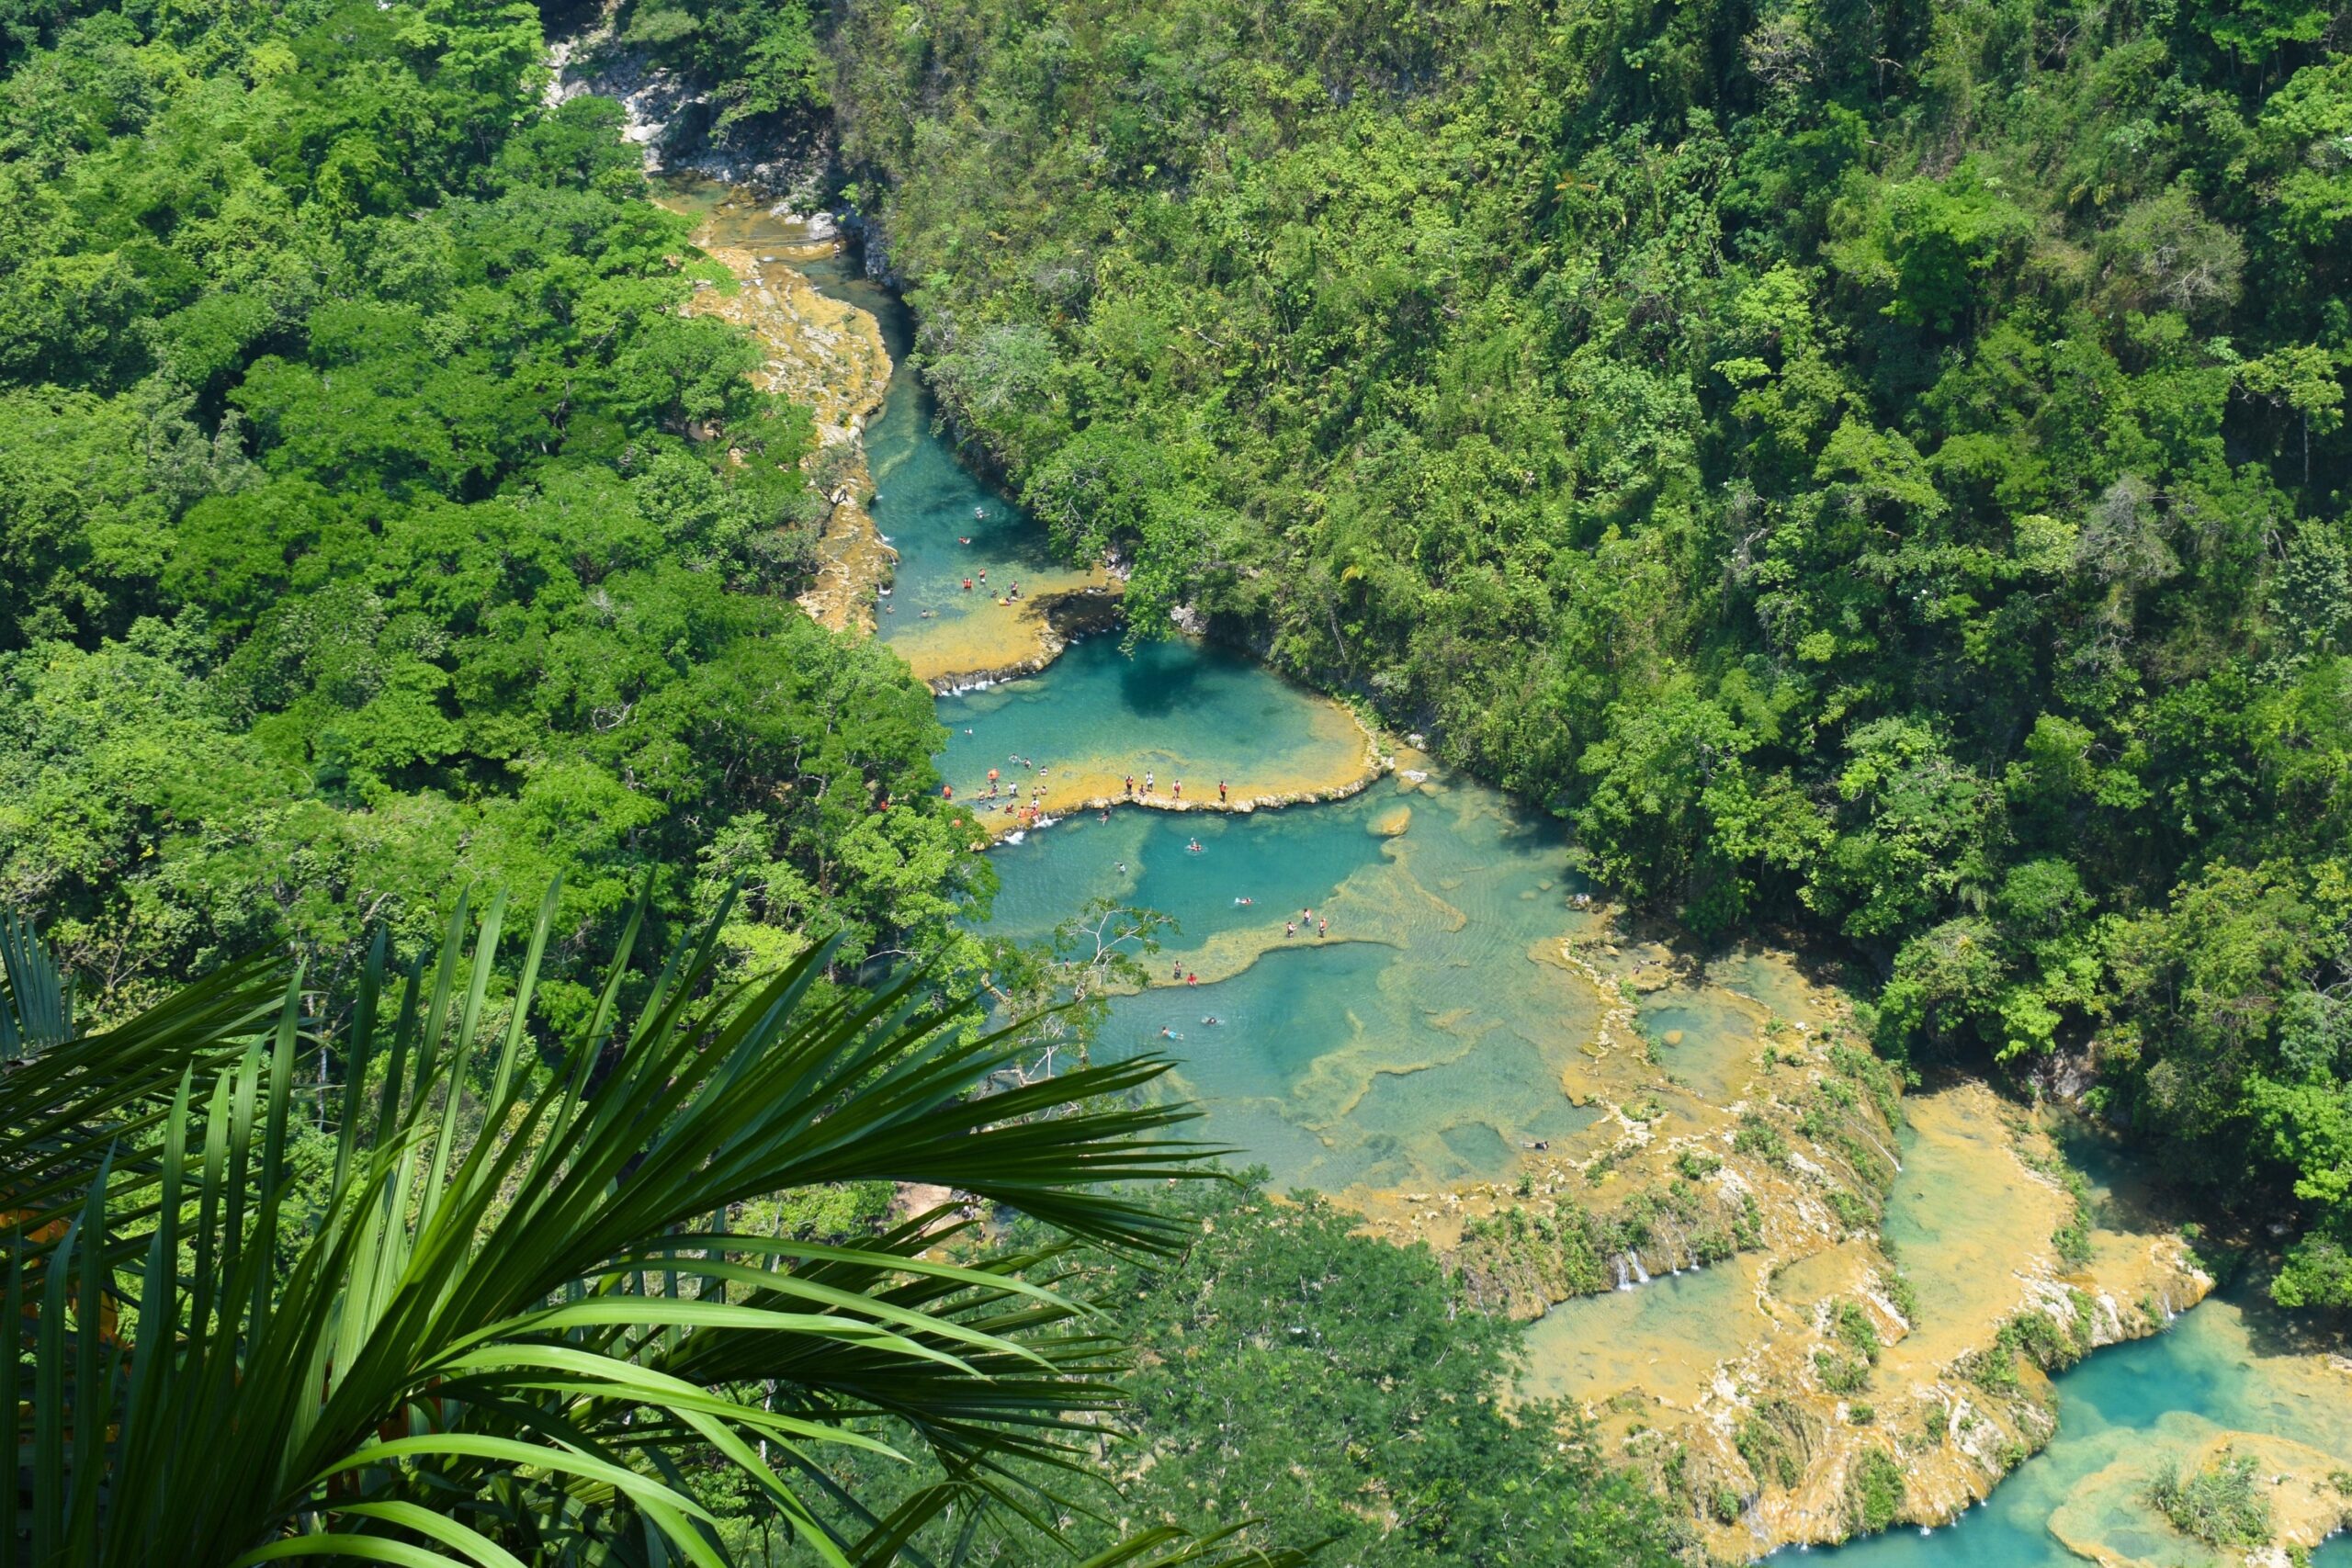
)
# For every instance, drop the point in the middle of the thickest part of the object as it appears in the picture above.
(517, 1306)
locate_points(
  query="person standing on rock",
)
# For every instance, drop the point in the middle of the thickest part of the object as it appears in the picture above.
(1130, 786)
(1179, 789)
(1220, 792)
(1147, 781)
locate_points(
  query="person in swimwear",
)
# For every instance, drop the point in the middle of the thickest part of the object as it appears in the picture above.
(1290, 927)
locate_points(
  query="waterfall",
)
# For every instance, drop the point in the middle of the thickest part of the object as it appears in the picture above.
(1624, 1280)
(1640, 1273)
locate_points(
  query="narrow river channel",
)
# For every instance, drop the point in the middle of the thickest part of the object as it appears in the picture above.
(1439, 1028)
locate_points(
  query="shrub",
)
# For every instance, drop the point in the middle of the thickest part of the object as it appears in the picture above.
(1874, 1493)
(2217, 1504)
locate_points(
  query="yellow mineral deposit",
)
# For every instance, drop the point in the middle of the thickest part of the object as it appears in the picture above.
(822, 353)
(1001, 641)
(1338, 758)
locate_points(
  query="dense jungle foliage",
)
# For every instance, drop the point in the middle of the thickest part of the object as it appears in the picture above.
(1339, 1388)
(1878, 467)
(368, 523)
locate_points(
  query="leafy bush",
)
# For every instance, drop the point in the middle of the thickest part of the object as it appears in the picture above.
(1875, 1492)
(2220, 1503)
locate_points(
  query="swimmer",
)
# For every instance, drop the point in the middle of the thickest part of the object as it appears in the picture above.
(1194, 848)
(979, 511)
(1123, 868)
(1167, 1034)
(962, 538)
(1210, 1019)
(1244, 903)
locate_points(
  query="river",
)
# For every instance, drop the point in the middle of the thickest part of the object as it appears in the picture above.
(1457, 1030)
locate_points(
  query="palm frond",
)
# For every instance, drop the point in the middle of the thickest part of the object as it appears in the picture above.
(515, 1302)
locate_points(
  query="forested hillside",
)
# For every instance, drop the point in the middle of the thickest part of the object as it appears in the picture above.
(1874, 468)
(371, 521)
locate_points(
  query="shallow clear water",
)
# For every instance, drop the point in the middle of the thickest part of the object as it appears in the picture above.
(1186, 717)
(2229, 1364)
(1963, 1219)
(927, 504)
(1592, 1349)
(1427, 1039)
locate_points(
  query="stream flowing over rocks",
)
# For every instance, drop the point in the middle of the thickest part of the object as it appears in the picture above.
(1808, 1304)
(673, 122)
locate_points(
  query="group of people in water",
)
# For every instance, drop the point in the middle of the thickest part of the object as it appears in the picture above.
(1029, 811)
(1007, 597)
